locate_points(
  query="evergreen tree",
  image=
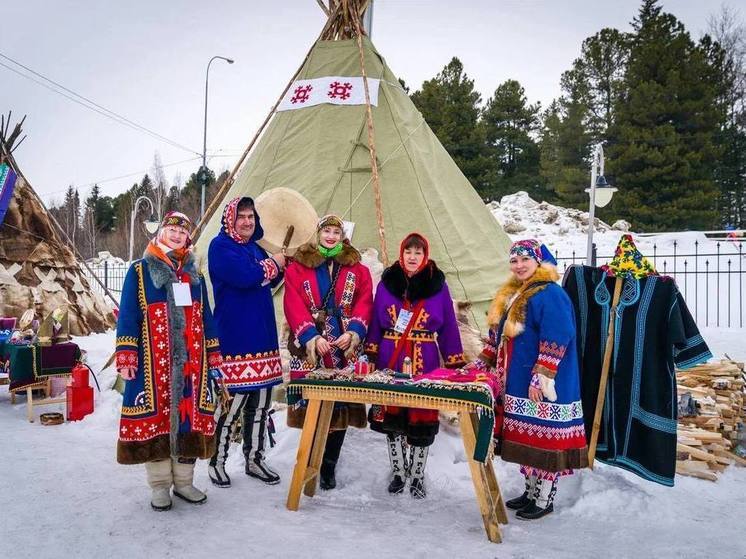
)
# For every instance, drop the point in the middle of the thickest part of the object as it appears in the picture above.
(510, 123)
(730, 59)
(450, 106)
(663, 151)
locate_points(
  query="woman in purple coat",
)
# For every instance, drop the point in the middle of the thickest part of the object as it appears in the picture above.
(413, 317)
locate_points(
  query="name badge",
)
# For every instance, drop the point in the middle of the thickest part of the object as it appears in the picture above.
(403, 321)
(182, 294)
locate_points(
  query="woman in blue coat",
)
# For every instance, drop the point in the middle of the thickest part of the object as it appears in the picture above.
(165, 346)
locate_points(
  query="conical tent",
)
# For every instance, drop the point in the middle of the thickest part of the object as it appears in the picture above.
(322, 151)
(38, 270)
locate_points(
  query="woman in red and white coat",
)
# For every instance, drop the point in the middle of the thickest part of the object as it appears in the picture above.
(328, 303)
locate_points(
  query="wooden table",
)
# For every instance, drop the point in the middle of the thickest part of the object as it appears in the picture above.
(475, 418)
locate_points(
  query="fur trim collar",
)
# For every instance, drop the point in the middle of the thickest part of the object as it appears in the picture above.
(422, 285)
(161, 273)
(309, 256)
(519, 293)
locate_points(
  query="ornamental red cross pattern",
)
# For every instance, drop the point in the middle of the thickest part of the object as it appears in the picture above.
(339, 90)
(302, 93)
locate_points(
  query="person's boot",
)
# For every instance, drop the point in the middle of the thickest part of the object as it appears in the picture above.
(417, 461)
(159, 479)
(183, 482)
(543, 501)
(327, 474)
(397, 457)
(520, 502)
(257, 468)
(218, 476)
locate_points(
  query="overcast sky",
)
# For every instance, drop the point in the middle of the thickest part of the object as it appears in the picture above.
(146, 60)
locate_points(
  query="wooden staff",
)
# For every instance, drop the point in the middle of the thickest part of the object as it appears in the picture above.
(604, 373)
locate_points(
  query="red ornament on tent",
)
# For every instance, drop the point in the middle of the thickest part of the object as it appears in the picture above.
(340, 90)
(302, 93)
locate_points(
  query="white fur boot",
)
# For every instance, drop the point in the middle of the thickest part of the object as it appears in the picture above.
(159, 480)
(183, 478)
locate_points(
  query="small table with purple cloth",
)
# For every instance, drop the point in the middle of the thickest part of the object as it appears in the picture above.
(473, 402)
(32, 366)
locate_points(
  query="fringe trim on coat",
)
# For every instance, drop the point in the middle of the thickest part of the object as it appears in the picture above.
(515, 322)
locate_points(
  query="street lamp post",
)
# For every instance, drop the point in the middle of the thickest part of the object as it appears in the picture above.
(151, 225)
(203, 169)
(600, 193)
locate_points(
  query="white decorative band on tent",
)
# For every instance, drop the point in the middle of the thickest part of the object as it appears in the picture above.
(337, 90)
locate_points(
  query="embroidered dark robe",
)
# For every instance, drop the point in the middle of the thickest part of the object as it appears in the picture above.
(654, 333)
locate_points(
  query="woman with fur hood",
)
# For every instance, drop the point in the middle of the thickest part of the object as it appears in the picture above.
(328, 301)
(532, 348)
(165, 347)
(413, 317)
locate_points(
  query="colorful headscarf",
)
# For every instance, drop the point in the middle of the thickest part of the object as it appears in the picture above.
(230, 212)
(425, 260)
(533, 249)
(330, 220)
(174, 219)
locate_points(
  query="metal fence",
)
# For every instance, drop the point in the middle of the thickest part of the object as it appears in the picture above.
(111, 275)
(712, 283)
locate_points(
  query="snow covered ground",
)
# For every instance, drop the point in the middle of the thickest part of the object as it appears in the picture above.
(62, 494)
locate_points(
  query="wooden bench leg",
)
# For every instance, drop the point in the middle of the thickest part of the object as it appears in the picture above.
(319, 445)
(480, 478)
(30, 404)
(304, 453)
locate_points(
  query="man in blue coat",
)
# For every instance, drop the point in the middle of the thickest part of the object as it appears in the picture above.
(242, 276)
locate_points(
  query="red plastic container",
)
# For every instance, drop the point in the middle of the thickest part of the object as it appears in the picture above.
(79, 401)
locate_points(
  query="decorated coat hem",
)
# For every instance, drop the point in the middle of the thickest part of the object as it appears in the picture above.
(126, 358)
(548, 460)
(191, 445)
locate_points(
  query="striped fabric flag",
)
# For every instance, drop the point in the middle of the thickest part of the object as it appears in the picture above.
(7, 183)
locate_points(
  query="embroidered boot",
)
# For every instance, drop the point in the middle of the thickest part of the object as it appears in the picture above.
(525, 499)
(218, 476)
(183, 469)
(397, 457)
(543, 502)
(417, 461)
(159, 480)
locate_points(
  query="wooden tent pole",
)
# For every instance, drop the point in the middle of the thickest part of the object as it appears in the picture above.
(604, 373)
(217, 199)
(372, 146)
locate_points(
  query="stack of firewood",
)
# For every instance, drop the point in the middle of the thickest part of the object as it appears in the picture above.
(706, 440)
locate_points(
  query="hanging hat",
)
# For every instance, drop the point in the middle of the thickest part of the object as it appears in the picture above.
(533, 249)
(406, 241)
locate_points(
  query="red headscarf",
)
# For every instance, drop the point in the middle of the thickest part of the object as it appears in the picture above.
(425, 261)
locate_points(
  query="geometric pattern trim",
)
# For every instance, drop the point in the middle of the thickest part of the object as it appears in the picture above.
(546, 411)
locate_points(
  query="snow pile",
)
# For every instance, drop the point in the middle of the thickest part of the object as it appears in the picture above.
(105, 257)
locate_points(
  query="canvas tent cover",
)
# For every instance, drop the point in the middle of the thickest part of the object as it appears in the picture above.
(322, 151)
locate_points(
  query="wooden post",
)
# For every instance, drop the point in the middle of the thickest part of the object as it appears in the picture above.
(488, 501)
(304, 452)
(319, 445)
(604, 373)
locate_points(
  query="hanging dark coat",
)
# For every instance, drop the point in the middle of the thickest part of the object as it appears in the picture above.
(654, 334)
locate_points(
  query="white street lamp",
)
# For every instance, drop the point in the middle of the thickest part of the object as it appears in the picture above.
(600, 193)
(151, 225)
(203, 169)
